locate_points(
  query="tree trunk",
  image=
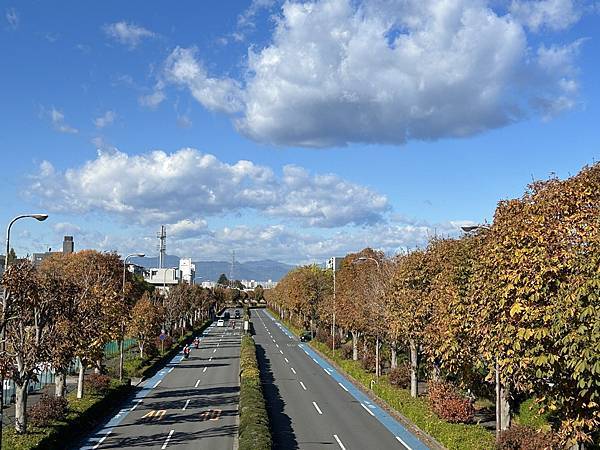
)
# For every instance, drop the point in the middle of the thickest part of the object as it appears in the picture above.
(504, 408)
(60, 383)
(354, 345)
(141, 346)
(414, 363)
(377, 368)
(21, 407)
(394, 362)
(364, 346)
(80, 379)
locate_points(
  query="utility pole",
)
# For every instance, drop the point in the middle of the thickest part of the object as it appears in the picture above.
(162, 246)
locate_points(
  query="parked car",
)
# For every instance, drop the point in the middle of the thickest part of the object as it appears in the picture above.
(237, 313)
(305, 337)
(220, 323)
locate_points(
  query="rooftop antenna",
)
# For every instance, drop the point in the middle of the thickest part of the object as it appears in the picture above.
(162, 246)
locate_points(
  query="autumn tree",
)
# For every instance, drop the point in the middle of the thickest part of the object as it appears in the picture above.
(146, 321)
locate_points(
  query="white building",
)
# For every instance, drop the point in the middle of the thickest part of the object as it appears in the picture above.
(162, 279)
(187, 270)
(208, 284)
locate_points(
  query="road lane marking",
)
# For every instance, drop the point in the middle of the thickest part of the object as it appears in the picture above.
(339, 442)
(205, 369)
(302, 384)
(210, 359)
(215, 350)
(157, 383)
(197, 383)
(171, 370)
(276, 345)
(154, 414)
(168, 439)
(102, 439)
(317, 408)
(187, 402)
(293, 370)
(286, 360)
(325, 370)
(280, 352)
(315, 360)
(403, 443)
(343, 387)
(137, 403)
(367, 409)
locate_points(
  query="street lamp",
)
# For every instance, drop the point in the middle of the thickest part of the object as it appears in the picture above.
(121, 349)
(40, 218)
(363, 259)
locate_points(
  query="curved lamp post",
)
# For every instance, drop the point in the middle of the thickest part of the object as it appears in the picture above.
(40, 218)
(121, 349)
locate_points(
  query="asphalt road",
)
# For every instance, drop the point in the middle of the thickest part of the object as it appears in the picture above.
(192, 403)
(311, 405)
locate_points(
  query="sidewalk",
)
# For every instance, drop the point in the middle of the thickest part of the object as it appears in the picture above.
(8, 418)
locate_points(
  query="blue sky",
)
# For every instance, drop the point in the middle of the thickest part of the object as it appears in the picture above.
(288, 130)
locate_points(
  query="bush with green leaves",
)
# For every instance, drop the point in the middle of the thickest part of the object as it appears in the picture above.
(254, 430)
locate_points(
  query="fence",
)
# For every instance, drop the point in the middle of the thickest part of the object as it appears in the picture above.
(45, 376)
(112, 348)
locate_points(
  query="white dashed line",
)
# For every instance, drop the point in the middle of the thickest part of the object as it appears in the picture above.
(302, 384)
(157, 383)
(168, 439)
(171, 370)
(317, 408)
(215, 350)
(187, 402)
(343, 387)
(286, 360)
(293, 370)
(367, 409)
(210, 359)
(280, 352)
(315, 360)
(339, 442)
(205, 369)
(197, 383)
(137, 403)
(403, 443)
(102, 439)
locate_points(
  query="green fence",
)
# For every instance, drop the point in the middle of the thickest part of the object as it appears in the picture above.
(112, 348)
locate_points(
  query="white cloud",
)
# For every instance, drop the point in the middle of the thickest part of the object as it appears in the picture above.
(338, 72)
(128, 34)
(66, 227)
(58, 122)
(540, 14)
(152, 100)
(12, 17)
(186, 228)
(187, 184)
(106, 119)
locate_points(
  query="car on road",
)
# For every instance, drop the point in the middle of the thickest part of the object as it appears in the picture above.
(220, 323)
(305, 337)
(237, 313)
(226, 315)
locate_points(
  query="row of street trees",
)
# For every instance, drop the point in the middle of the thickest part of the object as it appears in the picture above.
(72, 305)
(514, 304)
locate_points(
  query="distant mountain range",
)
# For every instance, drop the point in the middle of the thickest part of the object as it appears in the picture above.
(262, 270)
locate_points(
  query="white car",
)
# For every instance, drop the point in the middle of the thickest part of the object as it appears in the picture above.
(220, 323)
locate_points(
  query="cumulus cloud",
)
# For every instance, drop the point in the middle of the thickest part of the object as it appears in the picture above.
(152, 100)
(106, 119)
(12, 17)
(552, 14)
(187, 184)
(128, 34)
(58, 121)
(338, 72)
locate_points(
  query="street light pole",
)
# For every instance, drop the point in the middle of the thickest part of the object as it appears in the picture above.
(121, 349)
(334, 306)
(40, 218)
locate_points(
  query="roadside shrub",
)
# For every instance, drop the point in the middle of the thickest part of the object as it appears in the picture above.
(323, 336)
(367, 362)
(519, 437)
(47, 410)
(97, 384)
(400, 376)
(449, 404)
(346, 351)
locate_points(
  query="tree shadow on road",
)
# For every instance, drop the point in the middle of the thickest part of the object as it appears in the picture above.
(281, 424)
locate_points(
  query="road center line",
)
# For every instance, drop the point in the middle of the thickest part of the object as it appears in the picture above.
(215, 350)
(205, 369)
(157, 383)
(168, 439)
(187, 402)
(280, 352)
(286, 360)
(343, 387)
(102, 439)
(317, 408)
(339, 442)
(197, 383)
(367, 409)
(293, 370)
(302, 384)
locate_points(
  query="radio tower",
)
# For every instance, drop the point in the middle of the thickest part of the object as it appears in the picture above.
(231, 269)
(162, 246)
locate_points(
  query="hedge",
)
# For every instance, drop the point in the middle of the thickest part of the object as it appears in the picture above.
(83, 416)
(416, 410)
(254, 431)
